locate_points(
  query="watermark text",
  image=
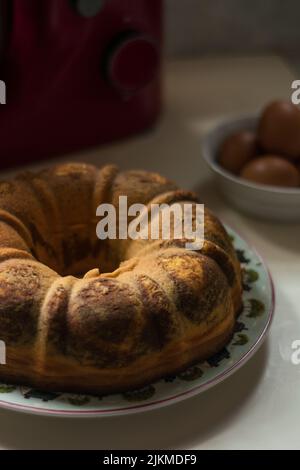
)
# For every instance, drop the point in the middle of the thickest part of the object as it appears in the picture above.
(176, 221)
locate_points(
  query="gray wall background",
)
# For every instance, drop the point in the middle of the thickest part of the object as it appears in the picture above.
(232, 26)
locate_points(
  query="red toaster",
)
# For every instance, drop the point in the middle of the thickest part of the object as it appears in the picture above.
(77, 73)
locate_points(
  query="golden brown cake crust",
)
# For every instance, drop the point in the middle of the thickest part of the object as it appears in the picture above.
(158, 309)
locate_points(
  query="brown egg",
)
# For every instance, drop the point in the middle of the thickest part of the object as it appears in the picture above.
(271, 170)
(237, 150)
(279, 129)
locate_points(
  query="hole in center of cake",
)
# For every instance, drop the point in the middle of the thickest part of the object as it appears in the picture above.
(85, 257)
(75, 255)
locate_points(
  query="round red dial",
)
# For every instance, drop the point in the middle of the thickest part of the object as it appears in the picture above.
(133, 62)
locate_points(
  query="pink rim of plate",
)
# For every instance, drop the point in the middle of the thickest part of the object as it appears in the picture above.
(165, 401)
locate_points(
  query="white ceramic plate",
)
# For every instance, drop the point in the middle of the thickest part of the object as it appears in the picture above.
(251, 328)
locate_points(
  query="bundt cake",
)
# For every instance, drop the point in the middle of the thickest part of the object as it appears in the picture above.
(144, 309)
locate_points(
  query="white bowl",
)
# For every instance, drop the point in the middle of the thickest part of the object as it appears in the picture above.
(267, 202)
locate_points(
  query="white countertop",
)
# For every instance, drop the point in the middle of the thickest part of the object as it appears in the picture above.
(259, 406)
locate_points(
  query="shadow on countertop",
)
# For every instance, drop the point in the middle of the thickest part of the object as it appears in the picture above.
(285, 235)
